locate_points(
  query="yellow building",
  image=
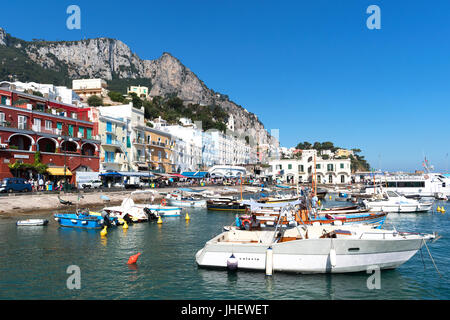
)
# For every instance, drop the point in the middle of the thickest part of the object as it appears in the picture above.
(159, 145)
(142, 92)
(343, 153)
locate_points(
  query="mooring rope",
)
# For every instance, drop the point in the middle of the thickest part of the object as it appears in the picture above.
(425, 243)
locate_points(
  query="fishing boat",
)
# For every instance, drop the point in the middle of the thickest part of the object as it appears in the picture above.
(32, 222)
(312, 249)
(178, 200)
(225, 205)
(83, 219)
(278, 198)
(391, 201)
(294, 213)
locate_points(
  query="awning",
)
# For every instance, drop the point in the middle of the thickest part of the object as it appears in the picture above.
(109, 174)
(58, 171)
(177, 175)
(197, 174)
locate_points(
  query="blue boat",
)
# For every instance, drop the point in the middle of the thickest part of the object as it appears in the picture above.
(83, 220)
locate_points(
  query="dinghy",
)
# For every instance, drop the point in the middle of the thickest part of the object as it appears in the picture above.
(32, 222)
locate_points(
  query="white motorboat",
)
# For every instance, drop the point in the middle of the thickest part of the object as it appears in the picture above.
(162, 211)
(311, 249)
(32, 222)
(391, 201)
(136, 212)
(178, 200)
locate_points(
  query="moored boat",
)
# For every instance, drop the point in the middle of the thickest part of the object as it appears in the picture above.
(391, 201)
(32, 222)
(225, 205)
(83, 220)
(320, 249)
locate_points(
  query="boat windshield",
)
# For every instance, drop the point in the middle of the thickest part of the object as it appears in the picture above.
(392, 194)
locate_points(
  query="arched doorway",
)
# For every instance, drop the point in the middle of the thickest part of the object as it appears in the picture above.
(69, 146)
(88, 149)
(46, 145)
(20, 142)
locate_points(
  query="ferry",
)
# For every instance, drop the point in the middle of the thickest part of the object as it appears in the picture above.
(425, 185)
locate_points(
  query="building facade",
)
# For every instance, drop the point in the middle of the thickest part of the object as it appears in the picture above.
(141, 92)
(302, 170)
(90, 87)
(62, 134)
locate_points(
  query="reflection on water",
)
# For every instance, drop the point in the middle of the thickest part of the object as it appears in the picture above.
(35, 260)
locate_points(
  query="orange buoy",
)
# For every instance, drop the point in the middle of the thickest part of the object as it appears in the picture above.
(133, 259)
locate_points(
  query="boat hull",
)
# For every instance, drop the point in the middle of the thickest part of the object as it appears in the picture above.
(74, 221)
(164, 211)
(406, 208)
(312, 255)
(187, 203)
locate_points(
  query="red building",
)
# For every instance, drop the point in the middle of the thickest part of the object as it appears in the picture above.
(61, 133)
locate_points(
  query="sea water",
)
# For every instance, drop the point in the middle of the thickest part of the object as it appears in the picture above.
(34, 263)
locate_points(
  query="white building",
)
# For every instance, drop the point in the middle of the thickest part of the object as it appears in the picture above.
(49, 91)
(330, 171)
(192, 137)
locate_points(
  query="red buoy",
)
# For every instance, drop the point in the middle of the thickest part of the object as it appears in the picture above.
(133, 259)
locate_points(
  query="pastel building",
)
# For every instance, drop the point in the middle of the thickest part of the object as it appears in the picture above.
(90, 87)
(141, 92)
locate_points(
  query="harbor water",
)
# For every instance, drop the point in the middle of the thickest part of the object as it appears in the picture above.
(34, 263)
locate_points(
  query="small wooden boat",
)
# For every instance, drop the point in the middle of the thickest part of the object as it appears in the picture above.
(177, 200)
(32, 222)
(225, 205)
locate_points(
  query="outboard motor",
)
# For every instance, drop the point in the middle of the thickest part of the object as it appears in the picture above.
(127, 219)
(150, 214)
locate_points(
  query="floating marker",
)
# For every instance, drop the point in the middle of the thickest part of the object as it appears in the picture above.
(104, 232)
(159, 220)
(125, 225)
(187, 217)
(133, 259)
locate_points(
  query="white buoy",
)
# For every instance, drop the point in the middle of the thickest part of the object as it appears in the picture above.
(269, 261)
(232, 263)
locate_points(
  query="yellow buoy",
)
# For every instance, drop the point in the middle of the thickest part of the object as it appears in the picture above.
(125, 225)
(330, 197)
(103, 232)
(442, 210)
(187, 217)
(159, 220)
(318, 202)
(438, 209)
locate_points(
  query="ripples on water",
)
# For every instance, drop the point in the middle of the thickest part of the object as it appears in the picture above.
(34, 262)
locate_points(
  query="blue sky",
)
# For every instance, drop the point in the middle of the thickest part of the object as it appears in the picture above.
(311, 69)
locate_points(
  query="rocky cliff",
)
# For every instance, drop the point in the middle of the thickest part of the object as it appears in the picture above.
(109, 58)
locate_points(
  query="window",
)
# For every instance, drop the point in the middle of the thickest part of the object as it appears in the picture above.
(289, 166)
(318, 166)
(37, 125)
(330, 167)
(342, 178)
(108, 126)
(330, 178)
(2, 119)
(22, 122)
(342, 166)
(48, 125)
(300, 168)
(89, 133)
(81, 132)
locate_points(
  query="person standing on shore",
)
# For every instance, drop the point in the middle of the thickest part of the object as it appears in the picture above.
(41, 184)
